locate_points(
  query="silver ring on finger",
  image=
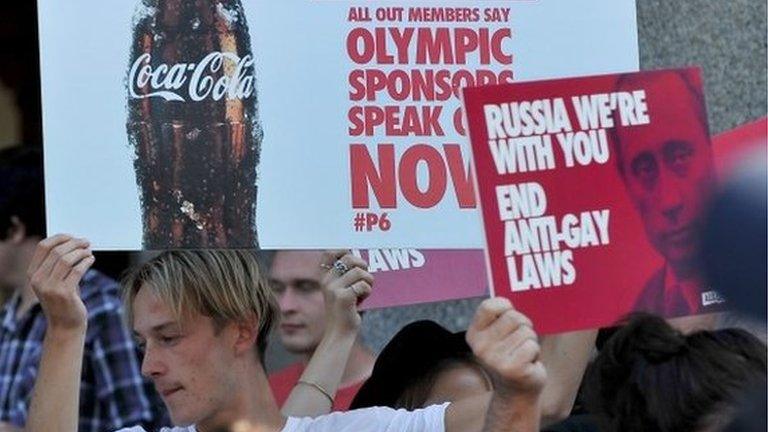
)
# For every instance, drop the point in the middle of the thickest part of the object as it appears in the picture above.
(340, 268)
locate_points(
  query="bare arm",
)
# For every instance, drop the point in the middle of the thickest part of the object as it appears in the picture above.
(327, 364)
(504, 342)
(467, 414)
(56, 396)
(55, 272)
(565, 356)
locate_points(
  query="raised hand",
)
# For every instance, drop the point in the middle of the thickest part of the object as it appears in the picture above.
(505, 343)
(57, 266)
(346, 282)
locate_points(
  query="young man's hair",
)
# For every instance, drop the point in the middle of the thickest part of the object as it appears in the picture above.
(650, 377)
(225, 285)
(21, 190)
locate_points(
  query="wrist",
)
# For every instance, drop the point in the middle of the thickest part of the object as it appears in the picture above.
(339, 334)
(343, 329)
(524, 395)
(522, 409)
(61, 332)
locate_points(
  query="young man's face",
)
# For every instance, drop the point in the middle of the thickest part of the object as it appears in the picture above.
(668, 170)
(294, 280)
(190, 364)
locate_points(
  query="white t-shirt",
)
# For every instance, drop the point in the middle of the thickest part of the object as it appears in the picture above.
(376, 419)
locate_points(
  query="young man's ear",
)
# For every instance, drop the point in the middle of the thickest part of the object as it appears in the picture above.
(247, 333)
(17, 232)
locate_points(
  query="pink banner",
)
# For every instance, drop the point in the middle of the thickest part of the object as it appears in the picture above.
(411, 276)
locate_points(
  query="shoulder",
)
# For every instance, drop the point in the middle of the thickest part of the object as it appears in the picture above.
(374, 419)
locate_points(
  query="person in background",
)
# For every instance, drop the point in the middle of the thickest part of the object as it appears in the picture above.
(650, 376)
(423, 364)
(426, 364)
(296, 281)
(113, 393)
(735, 254)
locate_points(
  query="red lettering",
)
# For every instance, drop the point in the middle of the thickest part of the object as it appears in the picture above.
(402, 41)
(354, 38)
(437, 176)
(496, 41)
(460, 177)
(465, 40)
(383, 179)
(365, 173)
(433, 48)
(355, 116)
(357, 83)
(396, 120)
(381, 47)
(458, 122)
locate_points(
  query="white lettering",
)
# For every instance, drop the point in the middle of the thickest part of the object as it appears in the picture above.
(166, 81)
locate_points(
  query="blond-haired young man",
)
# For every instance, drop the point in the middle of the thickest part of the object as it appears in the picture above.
(200, 315)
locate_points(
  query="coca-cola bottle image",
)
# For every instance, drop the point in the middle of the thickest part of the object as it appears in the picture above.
(193, 123)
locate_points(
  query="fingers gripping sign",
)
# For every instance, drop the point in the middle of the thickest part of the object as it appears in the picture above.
(57, 266)
(346, 283)
(504, 341)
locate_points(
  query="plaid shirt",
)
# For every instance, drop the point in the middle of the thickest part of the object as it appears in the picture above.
(112, 392)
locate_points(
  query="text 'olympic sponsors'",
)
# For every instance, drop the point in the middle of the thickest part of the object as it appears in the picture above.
(524, 137)
(408, 65)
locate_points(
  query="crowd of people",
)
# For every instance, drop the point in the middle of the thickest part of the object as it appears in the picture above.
(179, 346)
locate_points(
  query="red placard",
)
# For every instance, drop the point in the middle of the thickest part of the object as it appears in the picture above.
(592, 191)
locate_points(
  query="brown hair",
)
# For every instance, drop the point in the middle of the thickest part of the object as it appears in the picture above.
(651, 377)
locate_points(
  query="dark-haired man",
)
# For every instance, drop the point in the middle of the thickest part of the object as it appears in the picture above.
(112, 392)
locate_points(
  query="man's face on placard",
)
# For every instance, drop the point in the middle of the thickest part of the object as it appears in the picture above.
(667, 167)
(295, 281)
(190, 363)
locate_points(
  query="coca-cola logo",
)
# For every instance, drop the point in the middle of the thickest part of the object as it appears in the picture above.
(202, 79)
